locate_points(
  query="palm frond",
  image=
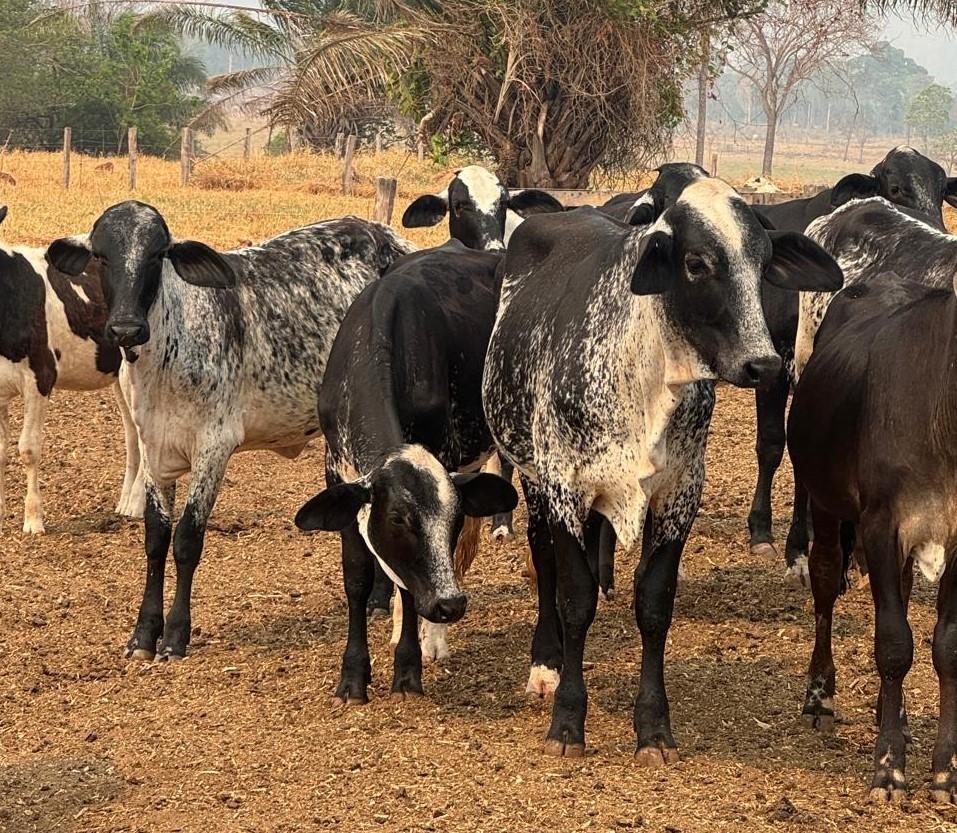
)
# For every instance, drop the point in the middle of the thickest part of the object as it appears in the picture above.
(242, 79)
(944, 11)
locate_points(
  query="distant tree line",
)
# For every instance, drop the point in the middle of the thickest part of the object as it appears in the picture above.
(99, 71)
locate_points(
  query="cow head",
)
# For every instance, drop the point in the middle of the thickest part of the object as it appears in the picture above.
(906, 178)
(132, 245)
(477, 204)
(706, 253)
(410, 512)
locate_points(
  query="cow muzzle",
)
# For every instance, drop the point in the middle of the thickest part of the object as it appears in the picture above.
(760, 372)
(446, 609)
(127, 332)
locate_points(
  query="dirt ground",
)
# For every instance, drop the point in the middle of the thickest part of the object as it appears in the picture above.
(242, 736)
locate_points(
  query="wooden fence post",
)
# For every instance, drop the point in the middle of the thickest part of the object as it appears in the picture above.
(347, 169)
(714, 164)
(421, 151)
(67, 147)
(385, 188)
(378, 143)
(185, 156)
(248, 146)
(131, 143)
(340, 140)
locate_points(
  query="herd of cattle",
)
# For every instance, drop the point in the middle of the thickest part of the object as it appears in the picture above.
(580, 347)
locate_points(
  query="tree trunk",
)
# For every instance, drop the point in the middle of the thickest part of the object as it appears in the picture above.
(769, 136)
(702, 102)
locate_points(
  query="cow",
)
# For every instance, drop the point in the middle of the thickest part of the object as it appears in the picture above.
(599, 388)
(51, 336)
(224, 352)
(482, 213)
(401, 409)
(882, 380)
(906, 178)
(868, 238)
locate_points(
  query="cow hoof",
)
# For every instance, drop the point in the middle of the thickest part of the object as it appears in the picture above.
(765, 550)
(822, 722)
(408, 695)
(33, 527)
(349, 700)
(140, 653)
(656, 756)
(169, 655)
(890, 794)
(608, 595)
(563, 749)
(502, 533)
(798, 575)
(542, 681)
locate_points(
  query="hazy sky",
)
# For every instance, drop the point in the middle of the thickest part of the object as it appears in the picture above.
(933, 47)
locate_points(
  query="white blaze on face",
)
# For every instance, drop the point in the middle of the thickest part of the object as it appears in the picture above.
(713, 200)
(484, 187)
(363, 519)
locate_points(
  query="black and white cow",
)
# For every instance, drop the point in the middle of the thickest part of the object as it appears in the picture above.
(599, 388)
(882, 381)
(224, 353)
(869, 238)
(906, 178)
(401, 410)
(481, 211)
(51, 335)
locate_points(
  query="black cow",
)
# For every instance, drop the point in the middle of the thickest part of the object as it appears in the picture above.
(872, 435)
(401, 410)
(906, 178)
(599, 388)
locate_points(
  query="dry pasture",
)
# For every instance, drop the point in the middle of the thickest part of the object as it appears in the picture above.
(242, 736)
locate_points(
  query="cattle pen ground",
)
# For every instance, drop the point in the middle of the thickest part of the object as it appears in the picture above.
(242, 735)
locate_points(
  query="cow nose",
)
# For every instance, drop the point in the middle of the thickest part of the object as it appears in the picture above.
(127, 333)
(449, 609)
(762, 372)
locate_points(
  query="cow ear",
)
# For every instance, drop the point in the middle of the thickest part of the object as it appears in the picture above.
(198, 264)
(800, 264)
(654, 273)
(3, 213)
(426, 210)
(950, 191)
(334, 509)
(69, 255)
(854, 187)
(642, 213)
(533, 201)
(485, 494)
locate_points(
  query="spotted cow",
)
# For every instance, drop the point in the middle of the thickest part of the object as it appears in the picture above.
(599, 387)
(401, 410)
(224, 352)
(51, 336)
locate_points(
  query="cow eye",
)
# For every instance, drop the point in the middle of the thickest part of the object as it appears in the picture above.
(696, 266)
(458, 208)
(398, 519)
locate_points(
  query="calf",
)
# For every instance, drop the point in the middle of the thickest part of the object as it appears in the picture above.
(401, 410)
(599, 387)
(51, 335)
(908, 179)
(883, 379)
(224, 354)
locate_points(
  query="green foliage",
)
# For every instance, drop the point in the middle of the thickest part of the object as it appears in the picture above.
(929, 111)
(278, 145)
(884, 81)
(98, 75)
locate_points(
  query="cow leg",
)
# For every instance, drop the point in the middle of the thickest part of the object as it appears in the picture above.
(546, 665)
(132, 495)
(826, 566)
(656, 582)
(4, 446)
(577, 575)
(894, 653)
(207, 475)
(381, 594)
(797, 573)
(907, 585)
(357, 575)
(606, 561)
(158, 526)
(407, 669)
(31, 445)
(770, 406)
(944, 785)
(502, 523)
